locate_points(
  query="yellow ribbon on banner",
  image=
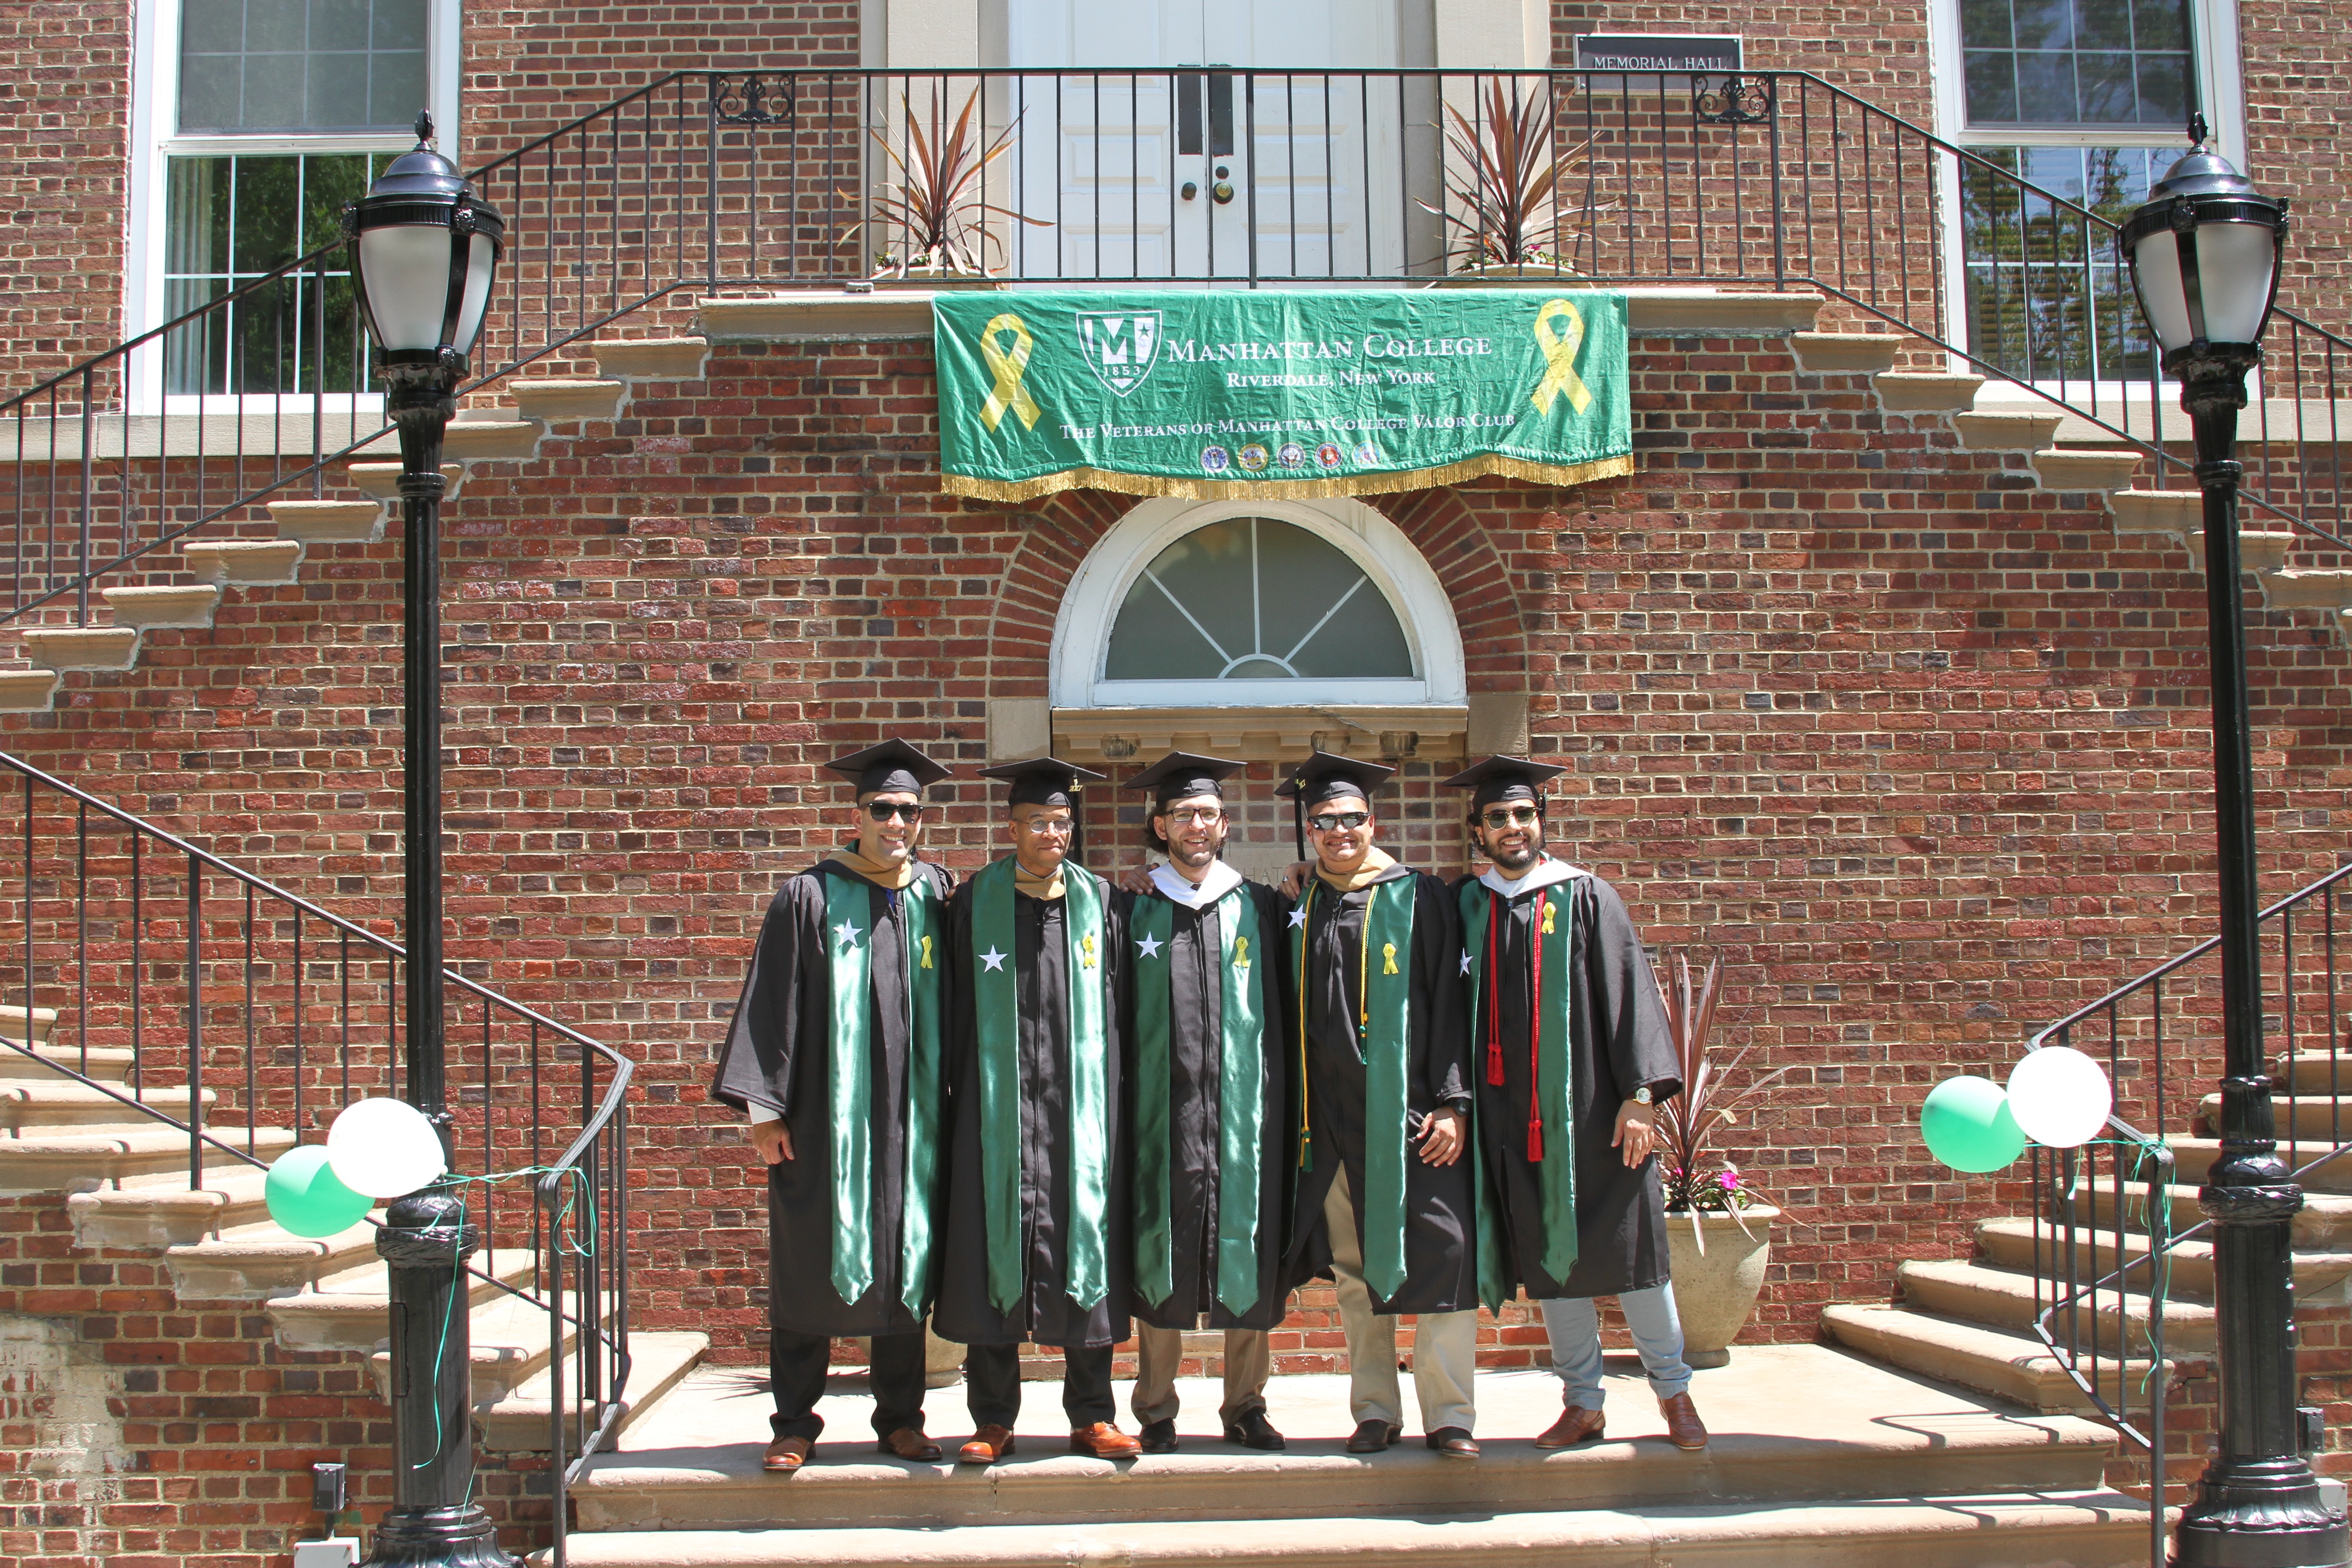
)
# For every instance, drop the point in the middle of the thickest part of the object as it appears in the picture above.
(1008, 393)
(1559, 358)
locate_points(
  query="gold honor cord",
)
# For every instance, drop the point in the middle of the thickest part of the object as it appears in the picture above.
(1008, 393)
(1559, 352)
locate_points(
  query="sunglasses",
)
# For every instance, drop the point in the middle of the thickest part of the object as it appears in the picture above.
(893, 811)
(1339, 821)
(1514, 817)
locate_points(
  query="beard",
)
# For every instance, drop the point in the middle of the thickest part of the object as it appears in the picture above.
(1515, 863)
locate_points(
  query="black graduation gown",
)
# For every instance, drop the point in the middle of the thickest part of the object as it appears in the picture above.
(778, 1052)
(1045, 1313)
(1618, 1041)
(1441, 1252)
(1194, 956)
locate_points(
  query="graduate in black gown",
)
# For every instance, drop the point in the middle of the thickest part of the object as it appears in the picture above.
(1572, 1056)
(1037, 1246)
(845, 1104)
(1386, 1201)
(1212, 1169)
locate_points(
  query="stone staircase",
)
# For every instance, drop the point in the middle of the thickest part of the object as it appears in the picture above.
(128, 1188)
(479, 435)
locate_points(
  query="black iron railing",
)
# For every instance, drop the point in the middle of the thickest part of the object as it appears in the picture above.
(251, 1016)
(706, 181)
(2109, 1220)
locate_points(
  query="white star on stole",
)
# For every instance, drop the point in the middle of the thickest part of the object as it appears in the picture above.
(1148, 947)
(993, 959)
(848, 933)
(1297, 919)
(1465, 963)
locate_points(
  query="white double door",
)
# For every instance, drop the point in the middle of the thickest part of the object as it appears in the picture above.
(1195, 140)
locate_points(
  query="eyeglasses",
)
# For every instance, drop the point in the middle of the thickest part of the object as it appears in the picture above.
(1196, 814)
(1043, 825)
(893, 810)
(1339, 821)
(1514, 817)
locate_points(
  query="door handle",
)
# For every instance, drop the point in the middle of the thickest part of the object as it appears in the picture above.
(1223, 191)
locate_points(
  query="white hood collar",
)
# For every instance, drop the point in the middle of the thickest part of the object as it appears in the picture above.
(1544, 873)
(1222, 879)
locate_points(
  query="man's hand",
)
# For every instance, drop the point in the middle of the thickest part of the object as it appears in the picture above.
(1637, 1131)
(1441, 1137)
(773, 1140)
(1294, 881)
(1136, 879)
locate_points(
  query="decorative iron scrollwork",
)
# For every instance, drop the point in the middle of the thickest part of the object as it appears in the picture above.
(744, 100)
(1731, 99)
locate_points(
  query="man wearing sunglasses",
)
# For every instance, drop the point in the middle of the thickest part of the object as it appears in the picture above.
(1214, 1157)
(1385, 1198)
(1037, 1245)
(1572, 1056)
(835, 1054)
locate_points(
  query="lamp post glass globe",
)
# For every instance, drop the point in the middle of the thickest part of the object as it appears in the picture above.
(2203, 252)
(425, 249)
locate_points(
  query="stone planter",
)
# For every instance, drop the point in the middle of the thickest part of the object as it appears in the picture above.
(937, 282)
(942, 1360)
(1715, 1290)
(1513, 275)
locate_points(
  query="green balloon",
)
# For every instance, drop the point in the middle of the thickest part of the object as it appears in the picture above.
(305, 1197)
(1968, 1125)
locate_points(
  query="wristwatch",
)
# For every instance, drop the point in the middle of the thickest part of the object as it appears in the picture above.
(1642, 1095)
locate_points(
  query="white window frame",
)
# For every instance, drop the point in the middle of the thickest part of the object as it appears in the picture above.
(2221, 91)
(154, 113)
(1371, 542)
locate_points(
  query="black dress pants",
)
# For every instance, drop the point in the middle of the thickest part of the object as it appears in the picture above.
(796, 1369)
(992, 1375)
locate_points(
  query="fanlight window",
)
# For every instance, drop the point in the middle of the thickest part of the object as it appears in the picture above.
(1252, 598)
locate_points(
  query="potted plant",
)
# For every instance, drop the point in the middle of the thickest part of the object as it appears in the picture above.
(1504, 214)
(933, 214)
(1718, 1225)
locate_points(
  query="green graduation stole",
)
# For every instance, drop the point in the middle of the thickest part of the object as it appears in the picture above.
(1241, 1098)
(1383, 1036)
(996, 1005)
(849, 1090)
(1550, 1137)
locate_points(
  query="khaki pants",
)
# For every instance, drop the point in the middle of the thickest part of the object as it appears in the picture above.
(1444, 1349)
(1249, 1361)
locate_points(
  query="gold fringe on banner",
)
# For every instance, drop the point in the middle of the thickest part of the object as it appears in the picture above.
(1084, 478)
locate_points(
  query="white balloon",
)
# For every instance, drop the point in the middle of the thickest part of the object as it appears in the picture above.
(384, 1148)
(2060, 1097)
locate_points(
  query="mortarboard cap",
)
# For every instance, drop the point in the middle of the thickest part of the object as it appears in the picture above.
(1322, 776)
(1504, 778)
(1181, 775)
(1042, 781)
(891, 766)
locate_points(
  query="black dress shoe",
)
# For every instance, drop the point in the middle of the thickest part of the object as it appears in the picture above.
(1253, 1431)
(1454, 1443)
(1373, 1435)
(1159, 1436)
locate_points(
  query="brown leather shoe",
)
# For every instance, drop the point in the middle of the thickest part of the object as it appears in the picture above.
(1373, 1435)
(1576, 1424)
(1104, 1441)
(988, 1445)
(1454, 1443)
(906, 1443)
(1685, 1430)
(785, 1455)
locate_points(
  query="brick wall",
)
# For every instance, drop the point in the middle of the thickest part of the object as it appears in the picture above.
(65, 68)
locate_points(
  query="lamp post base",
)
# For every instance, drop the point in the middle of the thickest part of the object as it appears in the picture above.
(460, 1537)
(2260, 1513)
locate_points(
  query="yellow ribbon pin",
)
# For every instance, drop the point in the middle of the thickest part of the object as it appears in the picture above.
(1088, 944)
(1559, 358)
(1389, 952)
(1241, 952)
(1008, 392)
(1548, 913)
(927, 953)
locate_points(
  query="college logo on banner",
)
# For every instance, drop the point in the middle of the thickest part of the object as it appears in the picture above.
(1119, 347)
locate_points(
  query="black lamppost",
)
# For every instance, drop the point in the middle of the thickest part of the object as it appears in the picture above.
(423, 250)
(2204, 254)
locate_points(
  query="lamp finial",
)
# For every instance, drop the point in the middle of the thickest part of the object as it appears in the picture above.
(2198, 133)
(425, 127)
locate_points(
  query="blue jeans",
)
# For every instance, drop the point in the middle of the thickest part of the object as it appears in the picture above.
(1575, 1330)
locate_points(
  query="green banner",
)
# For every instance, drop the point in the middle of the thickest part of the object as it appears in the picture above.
(1225, 393)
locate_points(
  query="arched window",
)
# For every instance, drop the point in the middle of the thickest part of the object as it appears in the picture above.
(1255, 604)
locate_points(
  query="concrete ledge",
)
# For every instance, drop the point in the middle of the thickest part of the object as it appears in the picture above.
(380, 481)
(658, 1363)
(246, 563)
(12, 1019)
(2319, 589)
(81, 647)
(82, 1160)
(1873, 351)
(101, 1064)
(27, 690)
(150, 1213)
(653, 359)
(185, 608)
(549, 398)
(2063, 469)
(1925, 391)
(33, 1105)
(2156, 512)
(329, 522)
(1259, 735)
(2022, 431)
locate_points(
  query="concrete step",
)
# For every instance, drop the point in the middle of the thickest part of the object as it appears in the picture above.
(81, 647)
(509, 1344)
(12, 1019)
(329, 522)
(694, 1462)
(84, 1159)
(2321, 1279)
(352, 1311)
(2321, 1120)
(476, 436)
(2083, 1530)
(246, 563)
(652, 359)
(549, 398)
(261, 1262)
(2324, 1224)
(155, 1212)
(2005, 430)
(31, 1105)
(2308, 588)
(28, 690)
(2063, 469)
(2314, 1072)
(2332, 1173)
(102, 1064)
(517, 1423)
(155, 608)
(2015, 1366)
(2000, 1299)
(2157, 512)
(1926, 391)
(1875, 352)
(381, 480)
